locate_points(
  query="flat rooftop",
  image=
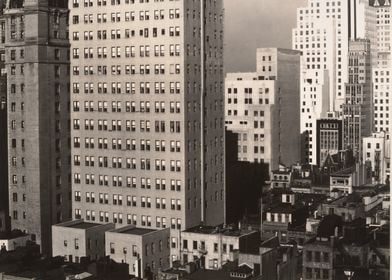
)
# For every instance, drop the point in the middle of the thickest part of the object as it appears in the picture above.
(217, 230)
(135, 231)
(344, 172)
(83, 225)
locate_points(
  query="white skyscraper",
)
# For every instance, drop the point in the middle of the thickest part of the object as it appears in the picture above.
(324, 28)
(382, 71)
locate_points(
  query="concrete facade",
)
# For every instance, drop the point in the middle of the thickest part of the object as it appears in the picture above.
(214, 247)
(157, 159)
(37, 61)
(263, 108)
(145, 250)
(77, 239)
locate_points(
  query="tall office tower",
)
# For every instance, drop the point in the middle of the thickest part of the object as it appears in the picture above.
(263, 108)
(329, 138)
(323, 30)
(357, 110)
(321, 34)
(382, 72)
(147, 99)
(4, 214)
(37, 66)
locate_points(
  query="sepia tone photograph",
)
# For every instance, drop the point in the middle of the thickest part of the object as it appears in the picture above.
(195, 139)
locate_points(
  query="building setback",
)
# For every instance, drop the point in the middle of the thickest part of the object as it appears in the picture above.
(263, 108)
(147, 113)
(37, 63)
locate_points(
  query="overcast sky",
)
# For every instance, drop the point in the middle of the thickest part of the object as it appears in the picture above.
(250, 24)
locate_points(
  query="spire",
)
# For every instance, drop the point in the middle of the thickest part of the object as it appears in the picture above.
(376, 3)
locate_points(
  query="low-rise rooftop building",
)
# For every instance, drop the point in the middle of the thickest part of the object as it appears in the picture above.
(214, 246)
(77, 239)
(145, 250)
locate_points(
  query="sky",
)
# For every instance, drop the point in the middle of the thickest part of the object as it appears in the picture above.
(250, 24)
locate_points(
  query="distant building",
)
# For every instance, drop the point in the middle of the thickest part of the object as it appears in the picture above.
(263, 108)
(382, 73)
(377, 150)
(318, 254)
(77, 239)
(214, 247)
(324, 29)
(348, 207)
(357, 109)
(281, 178)
(345, 179)
(283, 216)
(37, 66)
(329, 135)
(145, 250)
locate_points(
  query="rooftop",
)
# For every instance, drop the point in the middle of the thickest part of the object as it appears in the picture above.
(344, 172)
(284, 208)
(134, 230)
(217, 230)
(83, 225)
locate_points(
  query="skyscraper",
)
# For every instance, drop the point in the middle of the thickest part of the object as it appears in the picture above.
(357, 110)
(324, 28)
(147, 112)
(382, 71)
(329, 138)
(37, 66)
(263, 108)
(321, 34)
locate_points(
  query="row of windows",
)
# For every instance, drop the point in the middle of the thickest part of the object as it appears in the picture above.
(248, 101)
(131, 163)
(128, 16)
(130, 106)
(130, 125)
(118, 199)
(131, 219)
(130, 87)
(248, 90)
(142, 69)
(90, 3)
(117, 162)
(115, 34)
(131, 144)
(130, 51)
